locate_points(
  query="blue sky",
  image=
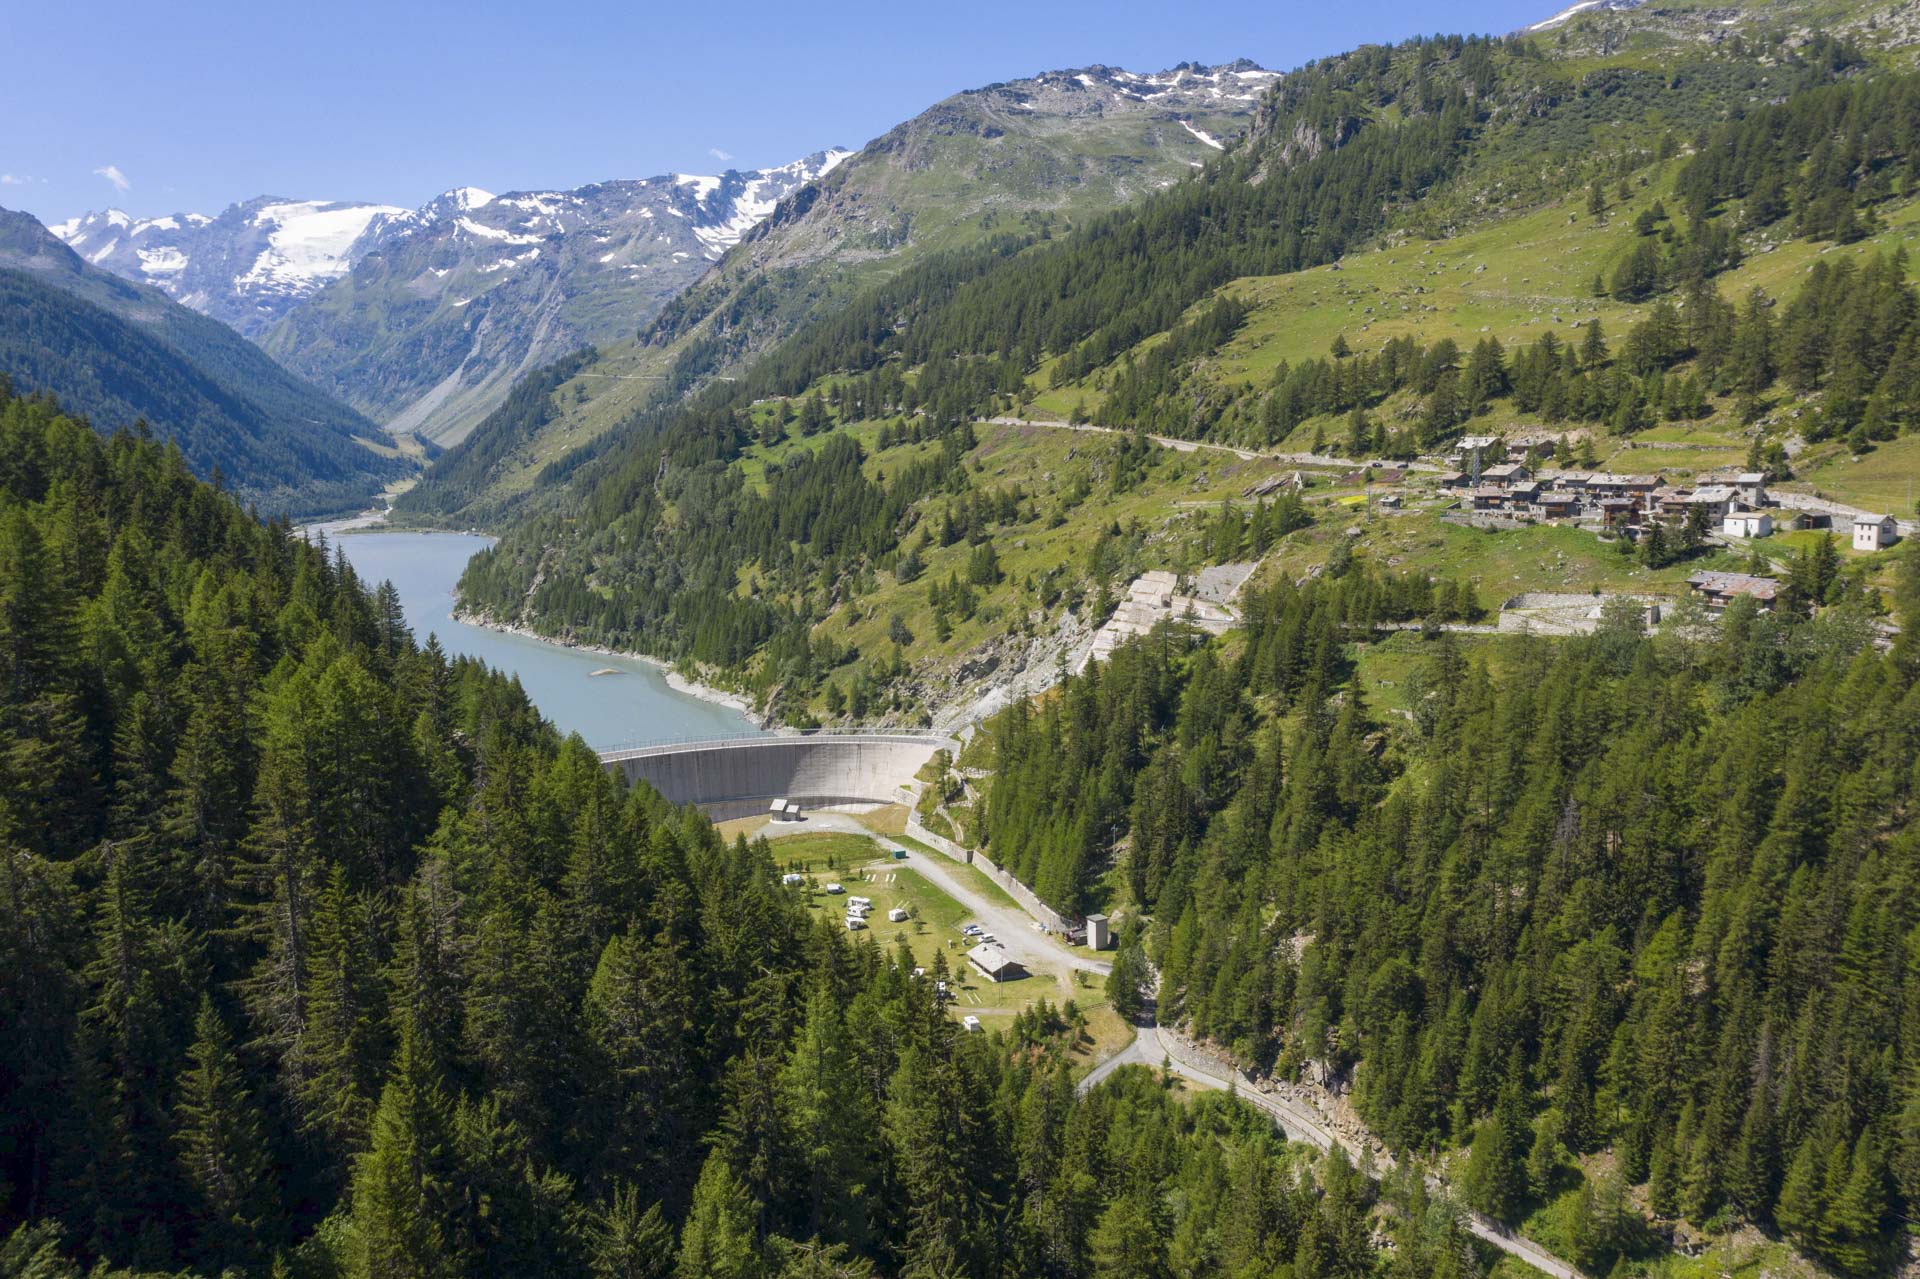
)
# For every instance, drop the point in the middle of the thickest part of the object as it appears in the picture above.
(166, 108)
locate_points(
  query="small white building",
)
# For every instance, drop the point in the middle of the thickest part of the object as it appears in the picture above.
(1747, 524)
(777, 810)
(1874, 532)
(1098, 937)
(970, 1023)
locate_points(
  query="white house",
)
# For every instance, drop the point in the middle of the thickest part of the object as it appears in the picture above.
(1747, 524)
(1874, 532)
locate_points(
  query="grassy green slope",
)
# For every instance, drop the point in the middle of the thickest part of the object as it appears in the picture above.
(1029, 157)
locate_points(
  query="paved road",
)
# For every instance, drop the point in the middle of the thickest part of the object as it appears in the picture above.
(1153, 1047)
(1012, 926)
(1198, 446)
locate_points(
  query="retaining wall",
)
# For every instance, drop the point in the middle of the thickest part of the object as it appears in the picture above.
(1015, 889)
(739, 777)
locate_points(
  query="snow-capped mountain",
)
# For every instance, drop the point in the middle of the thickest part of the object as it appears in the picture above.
(442, 308)
(246, 267)
(1046, 149)
(385, 305)
(1584, 6)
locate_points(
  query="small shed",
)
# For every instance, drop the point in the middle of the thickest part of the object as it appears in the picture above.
(1098, 936)
(970, 1024)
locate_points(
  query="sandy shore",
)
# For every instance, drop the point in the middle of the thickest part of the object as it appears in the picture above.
(675, 680)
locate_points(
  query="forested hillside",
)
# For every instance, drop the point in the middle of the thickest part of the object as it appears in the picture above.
(118, 352)
(1648, 897)
(1030, 158)
(324, 956)
(633, 536)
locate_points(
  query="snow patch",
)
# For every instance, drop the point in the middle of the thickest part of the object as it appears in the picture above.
(1583, 6)
(308, 242)
(1204, 136)
(482, 232)
(702, 186)
(166, 260)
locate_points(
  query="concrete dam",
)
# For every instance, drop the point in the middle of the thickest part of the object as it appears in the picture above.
(739, 776)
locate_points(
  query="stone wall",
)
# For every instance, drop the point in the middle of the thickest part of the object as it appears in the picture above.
(1015, 889)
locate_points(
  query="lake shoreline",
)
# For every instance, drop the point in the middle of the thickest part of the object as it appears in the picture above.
(678, 682)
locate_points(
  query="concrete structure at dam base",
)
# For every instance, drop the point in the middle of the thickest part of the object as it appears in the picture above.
(740, 776)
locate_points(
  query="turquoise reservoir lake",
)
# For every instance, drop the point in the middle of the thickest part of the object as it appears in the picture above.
(635, 705)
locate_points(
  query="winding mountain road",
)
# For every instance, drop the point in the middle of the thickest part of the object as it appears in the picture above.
(1154, 1047)
(1203, 446)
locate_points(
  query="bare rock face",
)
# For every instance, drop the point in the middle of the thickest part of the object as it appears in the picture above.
(1016, 156)
(423, 318)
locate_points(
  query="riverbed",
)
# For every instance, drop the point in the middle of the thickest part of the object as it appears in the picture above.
(629, 700)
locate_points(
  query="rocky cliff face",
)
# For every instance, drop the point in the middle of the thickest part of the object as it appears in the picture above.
(431, 327)
(422, 318)
(248, 266)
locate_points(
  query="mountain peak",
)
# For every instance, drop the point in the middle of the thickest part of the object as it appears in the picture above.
(1585, 6)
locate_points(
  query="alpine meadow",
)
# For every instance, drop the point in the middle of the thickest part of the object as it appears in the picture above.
(1288, 665)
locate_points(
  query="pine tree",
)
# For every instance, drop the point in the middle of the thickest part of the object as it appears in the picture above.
(405, 1185)
(223, 1147)
(821, 1114)
(628, 1242)
(717, 1240)
(1496, 1177)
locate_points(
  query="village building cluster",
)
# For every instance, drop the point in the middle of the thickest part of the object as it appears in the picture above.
(1732, 505)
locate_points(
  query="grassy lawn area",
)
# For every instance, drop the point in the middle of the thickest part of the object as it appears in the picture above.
(890, 821)
(972, 876)
(820, 852)
(1674, 463)
(1885, 479)
(1107, 1033)
(934, 929)
(1500, 562)
(858, 863)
